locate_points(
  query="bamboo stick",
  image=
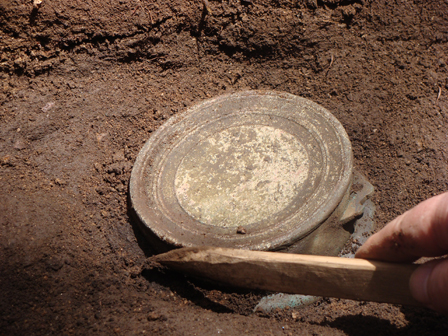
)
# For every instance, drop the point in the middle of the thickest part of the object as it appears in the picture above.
(356, 279)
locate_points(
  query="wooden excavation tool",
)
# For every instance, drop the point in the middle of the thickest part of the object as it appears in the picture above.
(356, 279)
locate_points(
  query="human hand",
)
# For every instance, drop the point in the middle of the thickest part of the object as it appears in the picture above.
(419, 232)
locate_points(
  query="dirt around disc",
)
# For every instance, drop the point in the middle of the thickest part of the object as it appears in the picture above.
(83, 84)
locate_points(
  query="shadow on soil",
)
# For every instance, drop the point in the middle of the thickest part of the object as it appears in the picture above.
(180, 285)
(428, 323)
(211, 296)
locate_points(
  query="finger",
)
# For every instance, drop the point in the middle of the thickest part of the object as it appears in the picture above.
(429, 285)
(419, 232)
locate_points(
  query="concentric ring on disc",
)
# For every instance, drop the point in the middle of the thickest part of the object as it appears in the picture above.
(276, 164)
(256, 171)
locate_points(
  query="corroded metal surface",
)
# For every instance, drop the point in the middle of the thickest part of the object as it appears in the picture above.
(255, 170)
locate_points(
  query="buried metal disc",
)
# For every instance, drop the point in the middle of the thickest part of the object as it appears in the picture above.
(254, 170)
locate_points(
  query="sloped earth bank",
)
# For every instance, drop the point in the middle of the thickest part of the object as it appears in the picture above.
(85, 83)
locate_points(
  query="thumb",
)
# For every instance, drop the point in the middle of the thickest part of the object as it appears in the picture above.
(429, 285)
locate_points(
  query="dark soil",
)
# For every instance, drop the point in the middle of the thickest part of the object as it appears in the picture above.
(83, 85)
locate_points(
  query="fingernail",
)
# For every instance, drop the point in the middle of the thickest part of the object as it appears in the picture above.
(418, 282)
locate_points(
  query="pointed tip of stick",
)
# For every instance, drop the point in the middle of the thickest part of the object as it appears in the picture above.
(178, 255)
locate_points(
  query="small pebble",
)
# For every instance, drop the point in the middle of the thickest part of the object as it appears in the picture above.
(241, 230)
(154, 316)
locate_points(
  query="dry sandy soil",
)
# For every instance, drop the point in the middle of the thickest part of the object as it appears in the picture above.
(84, 83)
